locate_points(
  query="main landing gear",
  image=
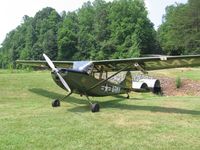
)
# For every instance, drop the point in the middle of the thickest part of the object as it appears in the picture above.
(94, 107)
(127, 96)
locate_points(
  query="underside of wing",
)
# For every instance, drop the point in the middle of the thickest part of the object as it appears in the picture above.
(147, 63)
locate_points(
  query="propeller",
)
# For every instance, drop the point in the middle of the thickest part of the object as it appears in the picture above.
(50, 63)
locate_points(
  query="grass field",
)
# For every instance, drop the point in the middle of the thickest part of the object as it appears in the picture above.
(144, 122)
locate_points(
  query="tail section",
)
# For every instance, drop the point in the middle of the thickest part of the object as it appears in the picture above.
(127, 82)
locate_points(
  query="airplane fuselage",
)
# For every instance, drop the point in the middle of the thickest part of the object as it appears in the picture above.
(81, 83)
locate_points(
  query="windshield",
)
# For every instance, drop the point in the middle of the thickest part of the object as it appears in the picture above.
(82, 66)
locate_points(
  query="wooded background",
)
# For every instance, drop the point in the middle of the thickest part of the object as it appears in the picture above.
(103, 30)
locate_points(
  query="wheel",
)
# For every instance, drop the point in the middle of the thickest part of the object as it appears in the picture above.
(95, 107)
(55, 103)
(128, 96)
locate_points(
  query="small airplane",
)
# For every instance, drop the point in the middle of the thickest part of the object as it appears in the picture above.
(91, 78)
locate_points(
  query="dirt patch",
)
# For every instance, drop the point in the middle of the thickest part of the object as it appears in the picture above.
(188, 87)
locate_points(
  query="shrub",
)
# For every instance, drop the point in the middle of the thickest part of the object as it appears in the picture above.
(178, 82)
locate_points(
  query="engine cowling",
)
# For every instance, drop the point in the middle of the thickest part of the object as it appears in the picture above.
(153, 85)
(139, 86)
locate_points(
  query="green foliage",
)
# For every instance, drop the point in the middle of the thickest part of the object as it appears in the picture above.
(67, 36)
(131, 30)
(103, 30)
(98, 30)
(178, 82)
(32, 38)
(180, 31)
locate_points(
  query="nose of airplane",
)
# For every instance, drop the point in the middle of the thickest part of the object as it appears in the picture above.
(62, 72)
(59, 76)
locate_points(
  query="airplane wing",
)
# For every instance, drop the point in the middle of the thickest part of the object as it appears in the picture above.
(41, 63)
(147, 63)
(130, 64)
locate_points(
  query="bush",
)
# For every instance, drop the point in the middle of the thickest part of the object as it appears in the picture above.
(178, 82)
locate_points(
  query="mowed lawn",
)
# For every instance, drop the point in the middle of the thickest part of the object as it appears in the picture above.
(143, 122)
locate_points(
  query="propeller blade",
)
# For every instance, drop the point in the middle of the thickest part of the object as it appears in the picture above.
(50, 63)
(63, 82)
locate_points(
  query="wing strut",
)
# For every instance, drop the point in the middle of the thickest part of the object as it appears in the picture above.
(138, 67)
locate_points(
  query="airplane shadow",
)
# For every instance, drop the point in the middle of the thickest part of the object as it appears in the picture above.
(111, 104)
(53, 95)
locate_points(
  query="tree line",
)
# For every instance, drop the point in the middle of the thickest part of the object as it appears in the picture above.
(180, 31)
(103, 30)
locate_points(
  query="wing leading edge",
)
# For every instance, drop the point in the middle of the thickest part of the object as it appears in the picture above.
(41, 63)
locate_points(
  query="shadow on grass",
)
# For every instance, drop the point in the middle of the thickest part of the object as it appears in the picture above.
(111, 104)
(53, 95)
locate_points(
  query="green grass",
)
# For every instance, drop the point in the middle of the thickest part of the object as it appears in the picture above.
(190, 73)
(145, 121)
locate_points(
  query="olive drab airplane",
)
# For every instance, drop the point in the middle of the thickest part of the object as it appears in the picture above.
(86, 77)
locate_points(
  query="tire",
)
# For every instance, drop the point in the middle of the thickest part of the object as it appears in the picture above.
(95, 107)
(128, 97)
(55, 103)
